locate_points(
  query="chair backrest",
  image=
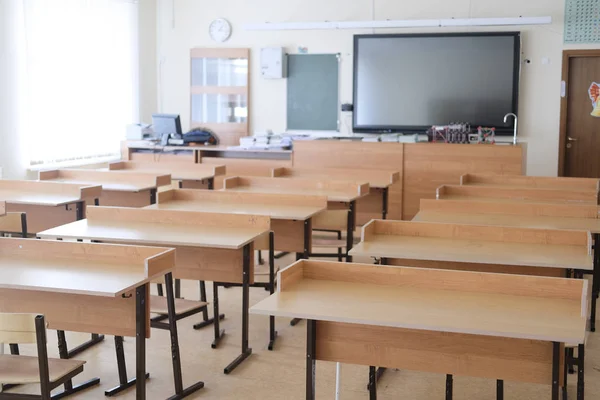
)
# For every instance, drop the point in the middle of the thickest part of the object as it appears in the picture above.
(18, 328)
(14, 222)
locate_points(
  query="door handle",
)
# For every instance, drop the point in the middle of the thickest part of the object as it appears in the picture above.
(570, 139)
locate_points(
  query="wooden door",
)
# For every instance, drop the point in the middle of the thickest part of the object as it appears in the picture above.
(579, 150)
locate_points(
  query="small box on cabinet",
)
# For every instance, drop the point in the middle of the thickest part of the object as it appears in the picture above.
(272, 62)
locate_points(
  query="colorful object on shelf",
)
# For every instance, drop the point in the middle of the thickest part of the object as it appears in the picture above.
(486, 135)
(594, 92)
(455, 132)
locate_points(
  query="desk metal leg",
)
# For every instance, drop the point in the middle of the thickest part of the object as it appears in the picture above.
(305, 255)
(595, 282)
(372, 383)
(311, 362)
(449, 386)
(79, 210)
(500, 390)
(260, 259)
(580, 372)
(205, 320)
(555, 370)
(219, 333)
(272, 331)
(141, 318)
(178, 288)
(246, 350)
(124, 383)
(69, 388)
(350, 234)
(180, 392)
(385, 195)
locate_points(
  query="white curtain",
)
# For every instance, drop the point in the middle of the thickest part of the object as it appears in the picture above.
(81, 77)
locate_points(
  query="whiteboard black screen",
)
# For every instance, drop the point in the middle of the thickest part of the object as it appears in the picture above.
(411, 82)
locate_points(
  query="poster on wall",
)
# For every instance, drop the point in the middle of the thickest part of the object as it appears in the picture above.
(582, 21)
(594, 92)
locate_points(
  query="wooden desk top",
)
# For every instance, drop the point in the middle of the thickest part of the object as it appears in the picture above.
(342, 191)
(512, 194)
(46, 193)
(178, 171)
(376, 178)
(476, 244)
(110, 180)
(503, 305)
(163, 228)
(540, 222)
(285, 207)
(540, 182)
(80, 268)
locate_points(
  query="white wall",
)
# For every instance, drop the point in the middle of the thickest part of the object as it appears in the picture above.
(12, 161)
(148, 61)
(183, 24)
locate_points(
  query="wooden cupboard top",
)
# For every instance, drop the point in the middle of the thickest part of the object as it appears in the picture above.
(165, 228)
(510, 193)
(110, 180)
(148, 145)
(276, 206)
(46, 193)
(177, 171)
(376, 178)
(80, 268)
(539, 182)
(342, 191)
(476, 244)
(540, 222)
(503, 305)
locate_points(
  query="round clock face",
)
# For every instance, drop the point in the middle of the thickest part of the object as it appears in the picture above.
(220, 30)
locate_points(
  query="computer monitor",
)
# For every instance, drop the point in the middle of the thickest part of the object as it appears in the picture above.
(166, 123)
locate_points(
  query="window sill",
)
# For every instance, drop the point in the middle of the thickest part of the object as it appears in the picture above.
(74, 163)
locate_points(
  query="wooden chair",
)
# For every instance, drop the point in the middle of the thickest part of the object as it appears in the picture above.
(335, 221)
(13, 223)
(16, 369)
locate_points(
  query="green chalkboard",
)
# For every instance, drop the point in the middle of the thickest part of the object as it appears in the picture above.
(313, 92)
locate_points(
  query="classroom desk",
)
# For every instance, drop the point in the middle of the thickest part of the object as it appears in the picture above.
(121, 189)
(210, 247)
(290, 214)
(378, 180)
(524, 215)
(539, 182)
(343, 192)
(84, 288)
(498, 249)
(430, 320)
(47, 204)
(487, 248)
(190, 176)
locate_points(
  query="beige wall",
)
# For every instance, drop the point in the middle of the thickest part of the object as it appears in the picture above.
(148, 61)
(188, 27)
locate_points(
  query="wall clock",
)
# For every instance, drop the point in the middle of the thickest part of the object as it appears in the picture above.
(220, 30)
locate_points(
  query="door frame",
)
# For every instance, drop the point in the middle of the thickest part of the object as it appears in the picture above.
(562, 145)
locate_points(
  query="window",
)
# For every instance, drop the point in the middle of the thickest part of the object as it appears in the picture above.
(82, 77)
